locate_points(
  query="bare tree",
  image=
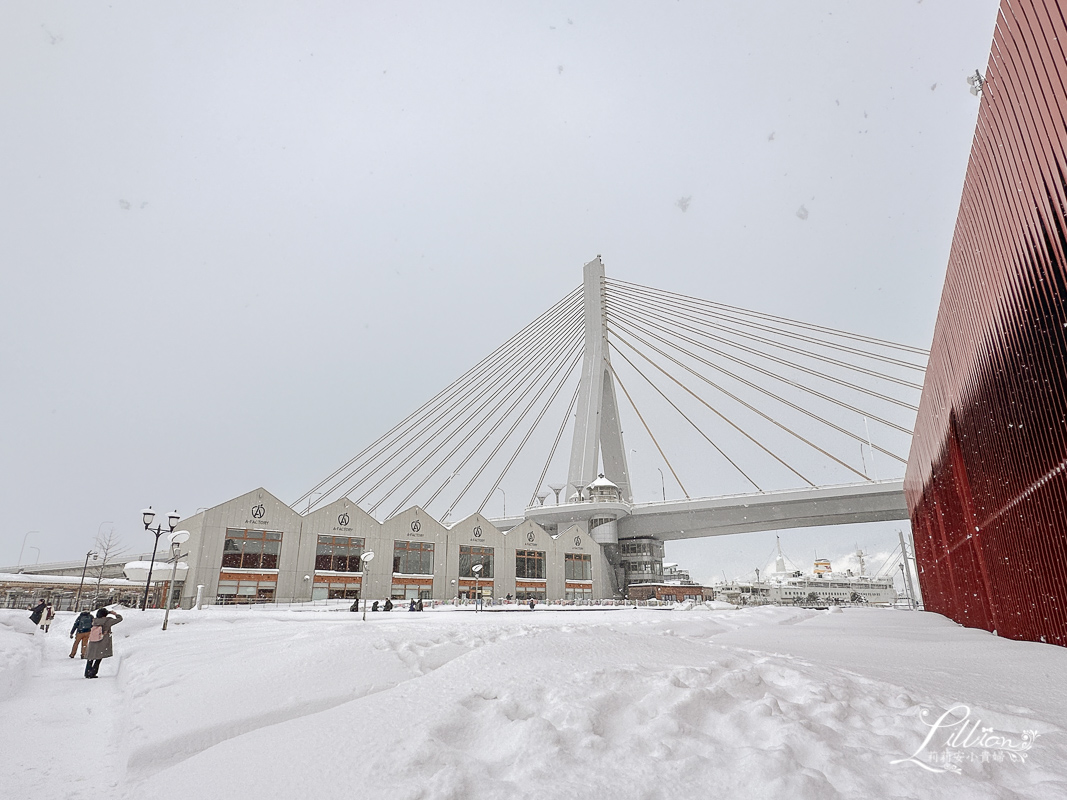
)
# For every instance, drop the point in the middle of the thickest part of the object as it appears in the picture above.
(111, 549)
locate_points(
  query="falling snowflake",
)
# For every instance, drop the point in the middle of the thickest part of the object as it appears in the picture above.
(683, 203)
(802, 212)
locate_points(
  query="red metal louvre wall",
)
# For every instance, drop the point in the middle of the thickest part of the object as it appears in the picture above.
(987, 478)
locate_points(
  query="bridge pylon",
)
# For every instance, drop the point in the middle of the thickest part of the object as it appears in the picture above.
(597, 430)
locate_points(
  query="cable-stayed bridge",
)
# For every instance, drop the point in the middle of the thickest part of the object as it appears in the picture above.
(749, 421)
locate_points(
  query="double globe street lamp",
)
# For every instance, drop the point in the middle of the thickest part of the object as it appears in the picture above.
(147, 515)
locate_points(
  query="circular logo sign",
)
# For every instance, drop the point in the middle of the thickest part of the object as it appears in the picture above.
(342, 519)
(577, 541)
(530, 537)
(258, 511)
(416, 526)
(478, 531)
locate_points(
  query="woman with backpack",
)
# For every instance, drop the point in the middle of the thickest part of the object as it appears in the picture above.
(100, 640)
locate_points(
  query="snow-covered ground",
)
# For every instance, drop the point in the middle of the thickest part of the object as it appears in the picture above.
(702, 703)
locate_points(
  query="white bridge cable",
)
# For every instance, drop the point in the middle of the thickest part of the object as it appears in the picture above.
(778, 398)
(707, 348)
(751, 407)
(809, 353)
(648, 430)
(529, 432)
(449, 428)
(497, 379)
(669, 316)
(492, 363)
(712, 408)
(534, 374)
(555, 444)
(567, 369)
(685, 416)
(533, 370)
(493, 367)
(720, 308)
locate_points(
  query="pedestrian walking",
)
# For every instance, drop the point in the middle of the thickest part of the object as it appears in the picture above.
(47, 616)
(388, 604)
(418, 605)
(411, 605)
(80, 632)
(100, 640)
(37, 612)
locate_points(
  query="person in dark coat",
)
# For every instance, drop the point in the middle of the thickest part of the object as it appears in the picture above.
(100, 640)
(418, 605)
(411, 605)
(388, 604)
(80, 632)
(37, 612)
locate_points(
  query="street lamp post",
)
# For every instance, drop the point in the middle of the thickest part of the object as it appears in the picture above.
(82, 582)
(477, 570)
(21, 549)
(365, 560)
(662, 486)
(147, 515)
(505, 496)
(177, 539)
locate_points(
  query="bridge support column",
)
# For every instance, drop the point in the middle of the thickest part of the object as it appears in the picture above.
(597, 432)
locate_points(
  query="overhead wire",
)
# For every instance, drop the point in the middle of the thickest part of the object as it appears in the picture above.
(702, 302)
(534, 369)
(664, 315)
(532, 380)
(500, 444)
(685, 416)
(715, 411)
(811, 354)
(648, 430)
(491, 375)
(555, 443)
(751, 407)
(529, 433)
(778, 398)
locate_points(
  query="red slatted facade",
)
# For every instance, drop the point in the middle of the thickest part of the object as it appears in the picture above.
(987, 478)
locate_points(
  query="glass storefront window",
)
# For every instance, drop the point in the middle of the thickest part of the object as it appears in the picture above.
(248, 549)
(338, 553)
(578, 567)
(413, 558)
(471, 555)
(530, 564)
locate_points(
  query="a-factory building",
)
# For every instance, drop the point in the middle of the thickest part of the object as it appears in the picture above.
(255, 548)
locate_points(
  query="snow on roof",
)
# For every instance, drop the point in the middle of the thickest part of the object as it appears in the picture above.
(602, 483)
(60, 580)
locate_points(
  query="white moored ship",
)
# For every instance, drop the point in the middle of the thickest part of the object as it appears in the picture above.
(823, 586)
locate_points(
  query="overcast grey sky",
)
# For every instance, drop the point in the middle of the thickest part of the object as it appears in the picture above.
(241, 240)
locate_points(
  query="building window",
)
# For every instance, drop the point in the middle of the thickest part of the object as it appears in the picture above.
(579, 567)
(246, 549)
(579, 593)
(526, 594)
(411, 591)
(338, 554)
(413, 558)
(530, 564)
(337, 591)
(470, 555)
(239, 592)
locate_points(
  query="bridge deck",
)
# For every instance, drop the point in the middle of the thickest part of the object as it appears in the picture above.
(691, 519)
